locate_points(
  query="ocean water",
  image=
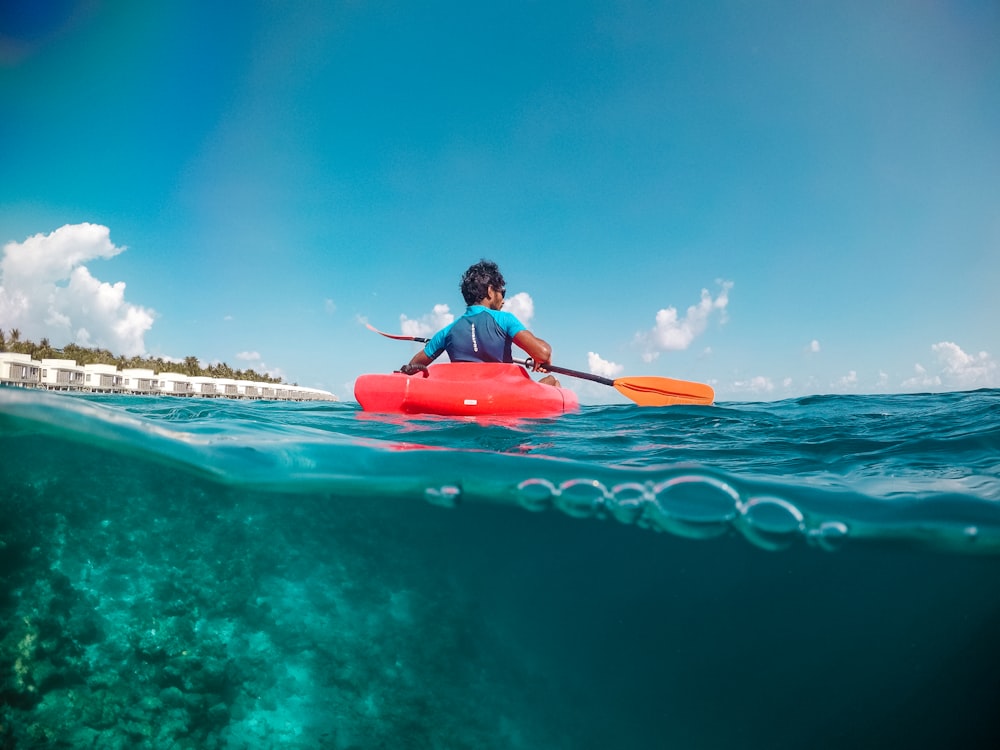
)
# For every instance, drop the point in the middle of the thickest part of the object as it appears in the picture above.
(188, 573)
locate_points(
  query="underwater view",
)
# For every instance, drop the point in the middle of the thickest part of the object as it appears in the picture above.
(820, 572)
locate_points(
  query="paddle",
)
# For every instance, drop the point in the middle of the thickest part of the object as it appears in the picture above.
(645, 390)
(398, 338)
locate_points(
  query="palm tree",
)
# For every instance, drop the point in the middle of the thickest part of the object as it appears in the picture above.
(43, 350)
(74, 352)
(15, 342)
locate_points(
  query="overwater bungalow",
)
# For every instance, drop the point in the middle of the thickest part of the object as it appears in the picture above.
(226, 387)
(62, 375)
(174, 384)
(203, 386)
(19, 369)
(101, 378)
(139, 380)
(247, 389)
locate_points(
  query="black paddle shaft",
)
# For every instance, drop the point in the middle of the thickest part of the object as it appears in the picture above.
(565, 371)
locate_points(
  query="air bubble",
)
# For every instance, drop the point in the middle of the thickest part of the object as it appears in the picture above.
(446, 496)
(626, 501)
(695, 499)
(773, 514)
(829, 536)
(581, 498)
(771, 522)
(536, 494)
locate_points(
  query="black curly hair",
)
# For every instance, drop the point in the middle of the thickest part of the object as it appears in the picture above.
(476, 281)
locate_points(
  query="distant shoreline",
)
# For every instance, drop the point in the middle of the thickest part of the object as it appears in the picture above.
(19, 370)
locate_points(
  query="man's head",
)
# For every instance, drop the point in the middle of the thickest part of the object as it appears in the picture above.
(476, 282)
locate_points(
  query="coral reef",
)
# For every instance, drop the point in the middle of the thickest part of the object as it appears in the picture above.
(144, 609)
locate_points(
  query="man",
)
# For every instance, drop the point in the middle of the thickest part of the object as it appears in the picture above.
(485, 332)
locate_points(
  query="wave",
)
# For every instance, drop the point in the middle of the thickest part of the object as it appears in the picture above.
(820, 471)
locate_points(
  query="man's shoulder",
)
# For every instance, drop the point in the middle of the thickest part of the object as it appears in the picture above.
(508, 320)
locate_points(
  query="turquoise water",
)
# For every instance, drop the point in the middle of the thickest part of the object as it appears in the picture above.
(820, 572)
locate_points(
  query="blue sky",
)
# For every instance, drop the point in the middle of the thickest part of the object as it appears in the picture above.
(777, 198)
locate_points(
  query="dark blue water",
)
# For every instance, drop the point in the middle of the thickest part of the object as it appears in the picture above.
(820, 572)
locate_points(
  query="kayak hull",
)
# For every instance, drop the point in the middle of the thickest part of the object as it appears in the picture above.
(464, 389)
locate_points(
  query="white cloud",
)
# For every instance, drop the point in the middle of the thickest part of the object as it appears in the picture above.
(758, 384)
(46, 291)
(813, 346)
(427, 325)
(521, 305)
(674, 333)
(849, 380)
(921, 378)
(255, 361)
(330, 306)
(957, 370)
(602, 367)
(963, 370)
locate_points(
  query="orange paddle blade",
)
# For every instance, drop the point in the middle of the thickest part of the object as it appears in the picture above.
(654, 391)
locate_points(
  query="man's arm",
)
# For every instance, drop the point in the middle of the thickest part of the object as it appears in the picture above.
(420, 359)
(418, 362)
(538, 349)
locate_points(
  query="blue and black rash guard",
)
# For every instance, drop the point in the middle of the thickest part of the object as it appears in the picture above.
(481, 335)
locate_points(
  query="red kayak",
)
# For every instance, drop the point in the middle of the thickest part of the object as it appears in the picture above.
(464, 389)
